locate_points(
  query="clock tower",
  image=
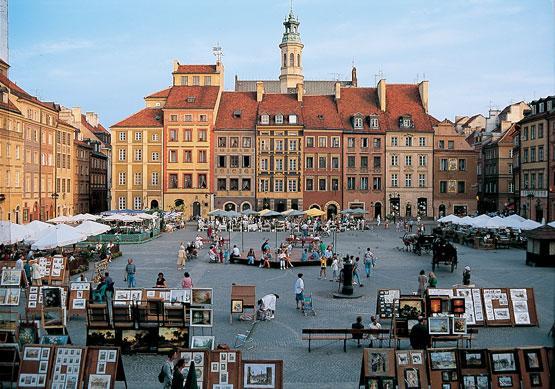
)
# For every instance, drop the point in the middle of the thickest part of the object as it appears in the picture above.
(291, 55)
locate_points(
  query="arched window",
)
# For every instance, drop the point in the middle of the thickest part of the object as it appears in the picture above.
(298, 60)
(291, 59)
(284, 60)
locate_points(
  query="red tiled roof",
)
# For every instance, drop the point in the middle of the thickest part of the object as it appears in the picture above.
(19, 92)
(232, 102)
(162, 93)
(147, 117)
(403, 99)
(435, 121)
(4, 62)
(101, 128)
(320, 112)
(193, 69)
(363, 101)
(204, 97)
(285, 104)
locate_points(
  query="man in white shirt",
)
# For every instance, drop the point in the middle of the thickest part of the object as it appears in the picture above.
(374, 325)
(299, 291)
(235, 253)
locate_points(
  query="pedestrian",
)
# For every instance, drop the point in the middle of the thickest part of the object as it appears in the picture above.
(357, 325)
(161, 281)
(19, 263)
(209, 232)
(130, 273)
(335, 268)
(299, 291)
(28, 271)
(166, 375)
(109, 288)
(288, 263)
(250, 257)
(322, 247)
(178, 377)
(281, 258)
(374, 325)
(466, 275)
(422, 281)
(368, 261)
(432, 280)
(265, 246)
(187, 281)
(378, 220)
(419, 335)
(181, 257)
(355, 272)
(35, 273)
(304, 256)
(323, 265)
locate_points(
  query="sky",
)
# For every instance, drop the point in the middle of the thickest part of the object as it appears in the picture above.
(106, 55)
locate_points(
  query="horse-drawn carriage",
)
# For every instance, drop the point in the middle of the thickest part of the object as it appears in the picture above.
(444, 253)
(418, 243)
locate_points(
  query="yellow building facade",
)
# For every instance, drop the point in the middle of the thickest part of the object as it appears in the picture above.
(64, 149)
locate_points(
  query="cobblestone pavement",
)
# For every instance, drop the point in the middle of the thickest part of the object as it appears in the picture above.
(327, 366)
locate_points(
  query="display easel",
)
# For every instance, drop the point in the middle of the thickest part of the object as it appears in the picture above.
(36, 366)
(496, 300)
(534, 367)
(100, 268)
(378, 365)
(246, 294)
(440, 375)
(113, 366)
(232, 372)
(9, 327)
(400, 320)
(415, 362)
(54, 270)
(499, 379)
(523, 307)
(79, 295)
(474, 367)
(385, 304)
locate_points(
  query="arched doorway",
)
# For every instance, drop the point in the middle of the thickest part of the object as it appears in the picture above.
(196, 209)
(331, 211)
(377, 210)
(17, 215)
(154, 204)
(245, 206)
(229, 206)
(179, 202)
(442, 210)
(539, 213)
(408, 210)
(314, 206)
(281, 205)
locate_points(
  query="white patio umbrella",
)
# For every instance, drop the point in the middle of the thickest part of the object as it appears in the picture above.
(36, 229)
(62, 235)
(233, 214)
(449, 219)
(11, 233)
(145, 216)
(496, 222)
(84, 216)
(91, 228)
(552, 224)
(480, 221)
(515, 217)
(512, 223)
(269, 213)
(218, 213)
(249, 212)
(529, 225)
(465, 221)
(60, 219)
(292, 213)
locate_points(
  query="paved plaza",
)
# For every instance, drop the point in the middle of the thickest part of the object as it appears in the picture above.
(327, 366)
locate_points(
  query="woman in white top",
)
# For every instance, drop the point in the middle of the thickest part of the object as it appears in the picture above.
(281, 257)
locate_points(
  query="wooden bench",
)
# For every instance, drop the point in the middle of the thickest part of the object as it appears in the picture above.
(343, 334)
(466, 340)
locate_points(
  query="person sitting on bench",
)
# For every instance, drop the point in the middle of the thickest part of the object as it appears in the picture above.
(235, 254)
(358, 326)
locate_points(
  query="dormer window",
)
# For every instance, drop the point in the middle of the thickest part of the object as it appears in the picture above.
(191, 99)
(292, 119)
(279, 118)
(405, 122)
(358, 121)
(237, 113)
(265, 119)
(373, 122)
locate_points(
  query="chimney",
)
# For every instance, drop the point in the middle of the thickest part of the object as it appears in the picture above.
(300, 91)
(354, 77)
(76, 113)
(175, 65)
(92, 119)
(337, 91)
(381, 95)
(423, 89)
(259, 90)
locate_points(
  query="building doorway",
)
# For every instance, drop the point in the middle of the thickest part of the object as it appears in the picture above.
(196, 209)
(331, 211)
(408, 210)
(229, 207)
(394, 206)
(460, 210)
(377, 210)
(154, 204)
(539, 213)
(422, 204)
(281, 205)
(179, 203)
(442, 210)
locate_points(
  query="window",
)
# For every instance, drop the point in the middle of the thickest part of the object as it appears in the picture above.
(357, 122)
(172, 181)
(408, 141)
(234, 161)
(350, 183)
(394, 141)
(405, 122)
(187, 156)
(394, 180)
(207, 80)
(188, 118)
(374, 123)
(138, 178)
(122, 135)
(234, 142)
(264, 185)
(279, 164)
(173, 136)
(292, 165)
(278, 185)
(394, 160)
(187, 181)
(441, 144)
(351, 161)
(408, 160)
(222, 141)
(533, 181)
(377, 143)
(247, 142)
(462, 164)
(202, 137)
(138, 136)
(450, 144)
(184, 80)
(122, 202)
(525, 155)
(309, 184)
(422, 180)
(533, 154)
(222, 184)
(279, 145)
(202, 156)
(335, 142)
(377, 162)
(322, 162)
(121, 178)
(187, 135)
(322, 141)
(202, 181)
(443, 164)
(137, 203)
(540, 131)
(511, 187)
(322, 185)
(309, 141)
(155, 137)
(540, 181)
(363, 183)
(279, 119)
(292, 119)
(233, 184)
(408, 180)
(264, 164)
(443, 187)
(540, 153)
(525, 181)
(460, 186)
(122, 154)
(364, 162)
(203, 118)
(246, 161)
(222, 160)
(173, 118)
(377, 183)
(422, 141)
(246, 184)
(293, 145)
(364, 143)
(172, 156)
(292, 185)
(196, 80)
(335, 162)
(525, 133)
(532, 132)
(422, 160)
(264, 119)
(154, 178)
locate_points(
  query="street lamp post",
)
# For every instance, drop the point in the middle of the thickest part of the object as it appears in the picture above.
(55, 197)
(530, 198)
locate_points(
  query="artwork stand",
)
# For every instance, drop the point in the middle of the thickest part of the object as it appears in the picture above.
(415, 362)
(246, 294)
(9, 362)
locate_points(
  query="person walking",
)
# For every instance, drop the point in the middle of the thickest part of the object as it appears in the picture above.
(166, 375)
(35, 273)
(432, 280)
(466, 275)
(323, 265)
(378, 220)
(368, 261)
(178, 377)
(422, 281)
(334, 268)
(355, 272)
(299, 291)
(187, 281)
(28, 272)
(130, 269)
(181, 257)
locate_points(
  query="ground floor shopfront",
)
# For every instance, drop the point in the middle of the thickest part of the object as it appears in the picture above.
(409, 205)
(534, 204)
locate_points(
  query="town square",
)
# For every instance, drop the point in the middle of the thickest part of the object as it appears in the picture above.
(277, 194)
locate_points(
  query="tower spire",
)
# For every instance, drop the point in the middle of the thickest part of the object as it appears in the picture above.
(291, 53)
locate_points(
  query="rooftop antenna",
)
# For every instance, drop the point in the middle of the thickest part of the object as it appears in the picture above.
(378, 76)
(218, 52)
